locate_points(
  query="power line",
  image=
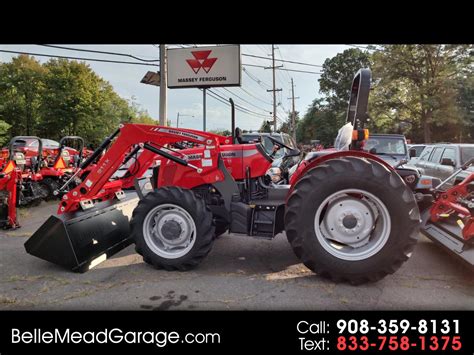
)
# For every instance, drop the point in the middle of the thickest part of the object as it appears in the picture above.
(101, 52)
(254, 96)
(242, 108)
(78, 58)
(237, 108)
(362, 47)
(285, 69)
(282, 60)
(256, 79)
(232, 93)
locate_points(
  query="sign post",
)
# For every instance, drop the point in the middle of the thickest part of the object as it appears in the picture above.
(204, 109)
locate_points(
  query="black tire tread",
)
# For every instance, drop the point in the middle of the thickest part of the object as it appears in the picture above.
(196, 207)
(350, 165)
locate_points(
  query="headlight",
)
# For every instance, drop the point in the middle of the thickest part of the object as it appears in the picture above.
(274, 174)
(410, 179)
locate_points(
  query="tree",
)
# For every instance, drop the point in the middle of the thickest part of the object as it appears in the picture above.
(139, 115)
(21, 85)
(417, 86)
(287, 125)
(76, 101)
(327, 114)
(266, 127)
(4, 136)
(337, 75)
(221, 132)
(320, 122)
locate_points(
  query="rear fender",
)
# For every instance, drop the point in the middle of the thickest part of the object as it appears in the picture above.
(306, 165)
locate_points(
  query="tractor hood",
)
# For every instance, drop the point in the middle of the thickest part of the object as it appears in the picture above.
(393, 160)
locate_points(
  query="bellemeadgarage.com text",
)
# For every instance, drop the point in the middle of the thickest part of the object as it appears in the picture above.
(112, 336)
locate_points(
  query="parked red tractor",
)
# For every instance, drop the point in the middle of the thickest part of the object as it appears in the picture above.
(348, 215)
(59, 165)
(19, 185)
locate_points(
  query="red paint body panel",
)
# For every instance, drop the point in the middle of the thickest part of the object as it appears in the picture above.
(236, 158)
(9, 182)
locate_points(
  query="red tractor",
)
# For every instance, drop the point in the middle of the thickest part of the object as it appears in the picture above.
(9, 179)
(19, 185)
(347, 215)
(59, 165)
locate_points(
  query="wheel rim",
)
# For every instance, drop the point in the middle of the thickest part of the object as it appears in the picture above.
(169, 231)
(352, 224)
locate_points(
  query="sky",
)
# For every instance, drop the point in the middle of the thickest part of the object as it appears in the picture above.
(188, 102)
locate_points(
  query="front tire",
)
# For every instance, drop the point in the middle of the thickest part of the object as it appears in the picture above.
(172, 229)
(352, 220)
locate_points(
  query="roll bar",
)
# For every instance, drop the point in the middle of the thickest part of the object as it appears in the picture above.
(40, 149)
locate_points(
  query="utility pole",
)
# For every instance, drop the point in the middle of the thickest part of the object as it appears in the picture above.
(293, 112)
(177, 118)
(204, 109)
(163, 86)
(274, 90)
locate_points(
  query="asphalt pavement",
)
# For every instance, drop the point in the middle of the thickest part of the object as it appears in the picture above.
(241, 273)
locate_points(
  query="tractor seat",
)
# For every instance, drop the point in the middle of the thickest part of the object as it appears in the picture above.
(238, 136)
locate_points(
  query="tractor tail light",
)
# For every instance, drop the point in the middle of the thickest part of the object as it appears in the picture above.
(360, 135)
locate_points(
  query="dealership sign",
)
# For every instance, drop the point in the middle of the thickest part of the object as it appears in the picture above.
(204, 66)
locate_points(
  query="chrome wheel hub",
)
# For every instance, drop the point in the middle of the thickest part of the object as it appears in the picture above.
(169, 231)
(352, 224)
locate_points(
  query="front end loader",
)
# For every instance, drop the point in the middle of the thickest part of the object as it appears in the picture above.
(347, 215)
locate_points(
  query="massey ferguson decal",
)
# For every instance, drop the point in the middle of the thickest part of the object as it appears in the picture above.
(178, 133)
(204, 66)
(201, 61)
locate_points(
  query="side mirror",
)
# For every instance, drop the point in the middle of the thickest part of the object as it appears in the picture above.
(412, 152)
(448, 162)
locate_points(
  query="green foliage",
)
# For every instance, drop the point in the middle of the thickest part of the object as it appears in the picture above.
(21, 86)
(418, 90)
(320, 122)
(266, 127)
(286, 126)
(221, 132)
(4, 137)
(423, 91)
(327, 114)
(337, 75)
(59, 98)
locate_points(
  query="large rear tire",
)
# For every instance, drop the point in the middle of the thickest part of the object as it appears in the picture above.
(352, 220)
(172, 229)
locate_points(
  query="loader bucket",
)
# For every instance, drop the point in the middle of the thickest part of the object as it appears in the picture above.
(449, 236)
(81, 240)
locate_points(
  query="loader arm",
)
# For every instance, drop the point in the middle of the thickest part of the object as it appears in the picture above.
(97, 184)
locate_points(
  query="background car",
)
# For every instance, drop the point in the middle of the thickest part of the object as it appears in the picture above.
(441, 160)
(390, 147)
(415, 151)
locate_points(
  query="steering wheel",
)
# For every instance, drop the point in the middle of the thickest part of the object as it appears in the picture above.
(295, 151)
